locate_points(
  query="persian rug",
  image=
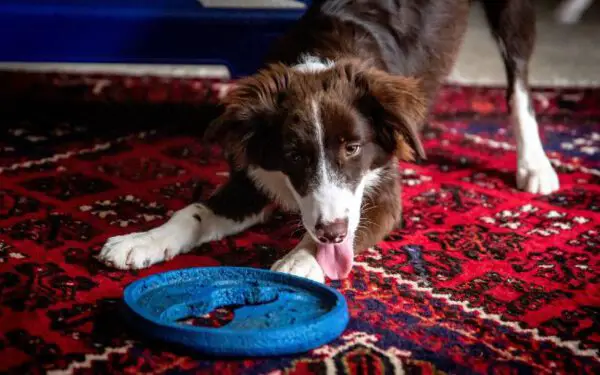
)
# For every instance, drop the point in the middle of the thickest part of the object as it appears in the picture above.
(482, 278)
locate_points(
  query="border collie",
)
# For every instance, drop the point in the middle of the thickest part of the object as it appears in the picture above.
(321, 128)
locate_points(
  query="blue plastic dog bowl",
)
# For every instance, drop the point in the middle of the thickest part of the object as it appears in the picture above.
(279, 314)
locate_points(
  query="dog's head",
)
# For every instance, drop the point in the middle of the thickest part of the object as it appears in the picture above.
(328, 132)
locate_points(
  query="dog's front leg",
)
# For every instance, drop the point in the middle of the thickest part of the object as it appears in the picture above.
(234, 207)
(301, 261)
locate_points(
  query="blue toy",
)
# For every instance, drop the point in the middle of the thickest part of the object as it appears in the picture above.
(280, 313)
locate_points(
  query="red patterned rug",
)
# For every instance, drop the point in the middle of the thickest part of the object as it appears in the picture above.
(481, 279)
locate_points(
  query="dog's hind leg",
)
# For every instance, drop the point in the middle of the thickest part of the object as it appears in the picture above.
(513, 26)
(234, 207)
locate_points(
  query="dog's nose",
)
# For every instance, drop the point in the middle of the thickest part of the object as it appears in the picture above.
(332, 232)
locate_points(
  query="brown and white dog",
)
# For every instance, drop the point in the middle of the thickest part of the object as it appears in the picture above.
(320, 130)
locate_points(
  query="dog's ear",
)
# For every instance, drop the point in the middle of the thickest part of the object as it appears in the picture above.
(248, 106)
(397, 108)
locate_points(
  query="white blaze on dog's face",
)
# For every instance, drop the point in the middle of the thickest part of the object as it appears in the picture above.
(331, 196)
(316, 140)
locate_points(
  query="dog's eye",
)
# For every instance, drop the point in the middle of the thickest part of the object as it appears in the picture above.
(352, 149)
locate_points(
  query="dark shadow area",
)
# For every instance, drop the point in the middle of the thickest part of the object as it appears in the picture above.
(107, 117)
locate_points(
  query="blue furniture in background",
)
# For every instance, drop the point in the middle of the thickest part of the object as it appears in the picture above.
(140, 31)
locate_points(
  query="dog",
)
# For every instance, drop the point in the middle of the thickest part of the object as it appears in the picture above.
(321, 128)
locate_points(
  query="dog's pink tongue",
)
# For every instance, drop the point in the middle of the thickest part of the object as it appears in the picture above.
(336, 260)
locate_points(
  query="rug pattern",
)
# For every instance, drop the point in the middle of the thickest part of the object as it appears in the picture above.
(482, 278)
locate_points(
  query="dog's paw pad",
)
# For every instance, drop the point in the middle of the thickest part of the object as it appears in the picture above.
(133, 251)
(300, 262)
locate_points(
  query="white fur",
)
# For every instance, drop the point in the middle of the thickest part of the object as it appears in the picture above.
(275, 184)
(180, 234)
(301, 261)
(570, 11)
(370, 181)
(330, 200)
(534, 171)
(313, 64)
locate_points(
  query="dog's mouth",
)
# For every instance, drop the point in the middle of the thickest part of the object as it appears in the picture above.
(336, 259)
(334, 255)
(331, 214)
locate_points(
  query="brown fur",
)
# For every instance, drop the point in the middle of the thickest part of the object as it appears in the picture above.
(324, 138)
(381, 213)
(390, 58)
(350, 83)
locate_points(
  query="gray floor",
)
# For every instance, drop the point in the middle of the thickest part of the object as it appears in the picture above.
(564, 55)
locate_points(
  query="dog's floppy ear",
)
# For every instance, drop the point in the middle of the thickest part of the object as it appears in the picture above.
(248, 106)
(396, 105)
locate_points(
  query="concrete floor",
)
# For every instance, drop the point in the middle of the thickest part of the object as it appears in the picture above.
(563, 56)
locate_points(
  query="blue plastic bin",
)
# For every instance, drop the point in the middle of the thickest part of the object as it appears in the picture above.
(140, 31)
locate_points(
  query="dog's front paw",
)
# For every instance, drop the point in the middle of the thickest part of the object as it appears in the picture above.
(134, 251)
(300, 262)
(537, 177)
